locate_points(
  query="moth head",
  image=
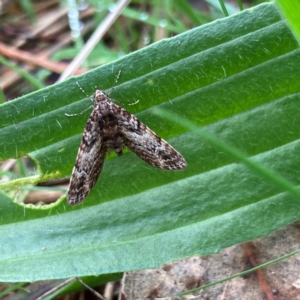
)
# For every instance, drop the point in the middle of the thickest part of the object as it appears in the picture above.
(99, 95)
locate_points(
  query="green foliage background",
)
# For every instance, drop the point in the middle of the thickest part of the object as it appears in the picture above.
(238, 78)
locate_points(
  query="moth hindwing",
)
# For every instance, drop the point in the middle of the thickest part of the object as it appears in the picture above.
(110, 127)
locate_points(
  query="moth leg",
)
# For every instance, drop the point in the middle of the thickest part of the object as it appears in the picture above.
(72, 115)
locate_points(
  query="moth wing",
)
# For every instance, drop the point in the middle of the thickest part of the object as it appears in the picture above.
(146, 144)
(89, 162)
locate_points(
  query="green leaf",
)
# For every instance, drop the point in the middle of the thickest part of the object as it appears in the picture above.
(291, 11)
(238, 78)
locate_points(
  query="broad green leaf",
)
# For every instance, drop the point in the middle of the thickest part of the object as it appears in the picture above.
(238, 78)
(291, 12)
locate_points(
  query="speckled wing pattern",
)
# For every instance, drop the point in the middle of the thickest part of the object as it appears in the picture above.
(146, 144)
(89, 162)
(110, 127)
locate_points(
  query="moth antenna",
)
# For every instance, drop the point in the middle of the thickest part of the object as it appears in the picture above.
(84, 91)
(112, 89)
(116, 81)
(72, 115)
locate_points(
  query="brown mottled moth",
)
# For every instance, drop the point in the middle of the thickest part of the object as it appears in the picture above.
(110, 127)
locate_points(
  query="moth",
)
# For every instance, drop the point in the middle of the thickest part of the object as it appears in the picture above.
(110, 127)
